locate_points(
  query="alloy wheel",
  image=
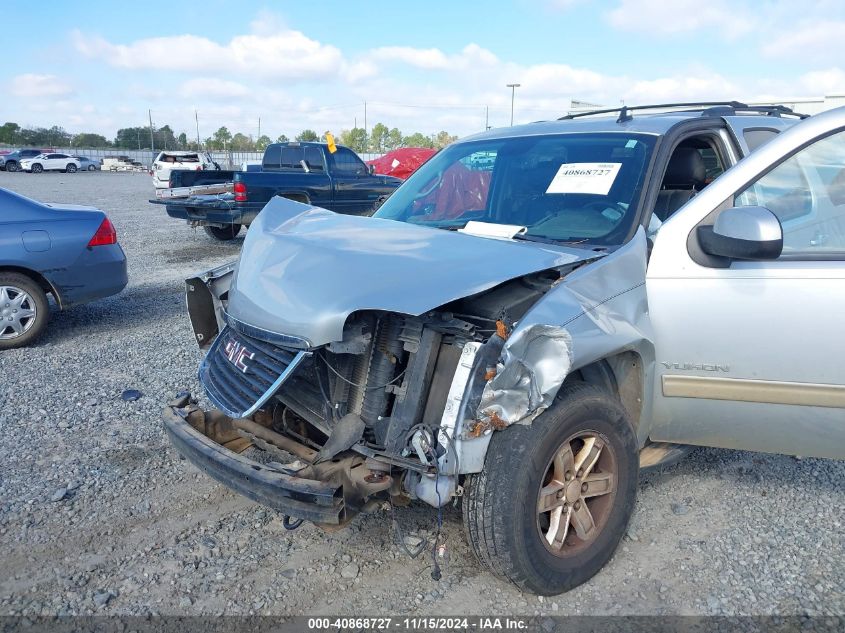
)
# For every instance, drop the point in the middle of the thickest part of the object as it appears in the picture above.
(18, 312)
(576, 495)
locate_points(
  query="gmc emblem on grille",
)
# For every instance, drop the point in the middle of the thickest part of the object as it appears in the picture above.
(238, 354)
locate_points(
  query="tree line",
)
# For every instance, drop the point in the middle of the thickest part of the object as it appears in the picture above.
(379, 139)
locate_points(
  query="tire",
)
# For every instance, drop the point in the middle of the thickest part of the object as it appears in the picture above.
(71, 168)
(224, 233)
(37, 168)
(501, 511)
(12, 285)
(12, 166)
(92, 168)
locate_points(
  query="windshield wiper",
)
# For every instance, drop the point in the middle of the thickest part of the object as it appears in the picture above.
(529, 237)
(450, 225)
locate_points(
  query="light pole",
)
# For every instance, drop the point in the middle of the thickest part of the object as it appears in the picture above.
(513, 88)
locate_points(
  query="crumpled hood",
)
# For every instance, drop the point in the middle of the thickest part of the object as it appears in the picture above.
(304, 270)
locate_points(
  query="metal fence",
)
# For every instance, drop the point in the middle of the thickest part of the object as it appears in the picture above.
(226, 160)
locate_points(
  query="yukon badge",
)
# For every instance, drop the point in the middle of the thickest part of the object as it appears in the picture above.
(697, 366)
(238, 354)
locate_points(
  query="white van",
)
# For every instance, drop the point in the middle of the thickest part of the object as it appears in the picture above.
(166, 161)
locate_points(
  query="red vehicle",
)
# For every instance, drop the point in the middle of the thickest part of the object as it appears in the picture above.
(401, 162)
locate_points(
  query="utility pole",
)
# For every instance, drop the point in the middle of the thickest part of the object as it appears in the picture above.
(197, 119)
(513, 88)
(139, 138)
(365, 118)
(259, 127)
(486, 117)
(152, 140)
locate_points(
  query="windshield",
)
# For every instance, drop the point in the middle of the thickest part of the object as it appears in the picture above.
(569, 188)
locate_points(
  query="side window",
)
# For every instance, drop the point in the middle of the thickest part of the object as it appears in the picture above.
(291, 157)
(314, 158)
(272, 157)
(807, 193)
(346, 163)
(54, 156)
(755, 137)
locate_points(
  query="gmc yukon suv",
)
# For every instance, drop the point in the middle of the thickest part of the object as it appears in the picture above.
(537, 313)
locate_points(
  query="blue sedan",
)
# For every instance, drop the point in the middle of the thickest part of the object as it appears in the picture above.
(68, 251)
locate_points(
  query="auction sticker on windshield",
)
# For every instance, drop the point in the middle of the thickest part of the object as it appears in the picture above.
(593, 178)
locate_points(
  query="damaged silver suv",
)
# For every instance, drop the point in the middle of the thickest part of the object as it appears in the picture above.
(533, 316)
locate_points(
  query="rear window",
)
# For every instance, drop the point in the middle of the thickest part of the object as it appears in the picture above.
(755, 137)
(292, 157)
(172, 158)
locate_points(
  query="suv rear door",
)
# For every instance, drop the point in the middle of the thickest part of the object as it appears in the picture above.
(750, 133)
(749, 356)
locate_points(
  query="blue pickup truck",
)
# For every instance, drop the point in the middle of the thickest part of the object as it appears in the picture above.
(224, 201)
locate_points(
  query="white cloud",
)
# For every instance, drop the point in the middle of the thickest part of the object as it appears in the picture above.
(33, 85)
(709, 87)
(281, 55)
(823, 82)
(472, 56)
(212, 88)
(817, 40)
(681, 16)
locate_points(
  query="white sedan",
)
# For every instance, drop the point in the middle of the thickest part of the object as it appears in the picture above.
(50, 162)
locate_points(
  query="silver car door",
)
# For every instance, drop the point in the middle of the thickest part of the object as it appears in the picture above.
(751, 356)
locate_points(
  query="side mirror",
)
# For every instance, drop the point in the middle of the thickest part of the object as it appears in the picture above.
(371, 169)
(743, 233)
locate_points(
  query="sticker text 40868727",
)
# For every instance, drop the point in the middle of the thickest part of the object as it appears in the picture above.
(590, 178)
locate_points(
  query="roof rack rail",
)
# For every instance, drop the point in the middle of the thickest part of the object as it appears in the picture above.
(708, 108)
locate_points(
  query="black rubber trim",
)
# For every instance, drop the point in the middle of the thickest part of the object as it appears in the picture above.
(309, 499)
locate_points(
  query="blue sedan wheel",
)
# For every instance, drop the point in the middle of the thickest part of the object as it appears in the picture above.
(23, 310)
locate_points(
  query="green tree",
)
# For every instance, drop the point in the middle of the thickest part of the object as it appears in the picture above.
(355, 139)
(165, 138)
(241, 143)
(262, 142)
(443, 139)
(282, 139)
(182, 140)
(89, 140)
(417, 139)
(10, 133)
(222, 138)
(379, 138)
(307, 136)
(132, 137)
(394, 140)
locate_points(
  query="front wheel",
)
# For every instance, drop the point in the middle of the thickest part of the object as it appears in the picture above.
(11, 166)
(37, 169)
(223, 233)
(92, 168)
(71, 168)
(24, 310)
(555, 496)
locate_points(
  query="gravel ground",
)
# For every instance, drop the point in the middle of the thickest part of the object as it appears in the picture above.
(99, 515)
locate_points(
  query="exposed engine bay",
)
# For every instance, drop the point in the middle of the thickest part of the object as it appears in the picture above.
(400, 408)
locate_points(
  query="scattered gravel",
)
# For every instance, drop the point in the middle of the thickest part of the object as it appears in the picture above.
(99, 515)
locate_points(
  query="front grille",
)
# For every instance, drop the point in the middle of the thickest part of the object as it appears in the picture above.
(240, 373)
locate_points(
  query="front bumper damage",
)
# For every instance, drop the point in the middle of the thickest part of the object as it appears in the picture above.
(328, 494)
